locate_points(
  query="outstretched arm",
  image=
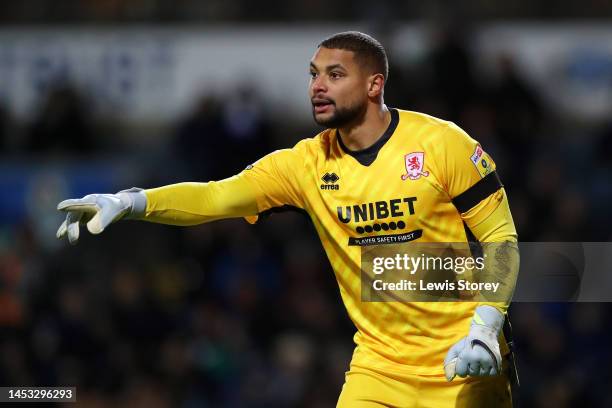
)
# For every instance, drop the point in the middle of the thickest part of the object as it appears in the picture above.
(197, 203)
(268, 183)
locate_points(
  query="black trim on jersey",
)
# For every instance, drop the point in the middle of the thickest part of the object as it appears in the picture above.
(475, 245)
(478, 192)
(367, 156)
(515, 383)
(274, 210)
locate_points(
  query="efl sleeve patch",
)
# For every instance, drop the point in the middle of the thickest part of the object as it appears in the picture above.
(482, 162)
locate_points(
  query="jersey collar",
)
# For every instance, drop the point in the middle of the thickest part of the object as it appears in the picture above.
(367, 156)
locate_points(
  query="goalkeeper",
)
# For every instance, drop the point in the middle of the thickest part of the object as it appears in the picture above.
(375, 171)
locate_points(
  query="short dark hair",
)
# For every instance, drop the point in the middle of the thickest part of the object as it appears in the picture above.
(368, 51)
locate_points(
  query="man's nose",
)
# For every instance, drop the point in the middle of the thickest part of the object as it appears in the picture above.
(318, 85)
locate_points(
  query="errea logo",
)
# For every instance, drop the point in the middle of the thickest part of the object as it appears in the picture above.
(330, 180)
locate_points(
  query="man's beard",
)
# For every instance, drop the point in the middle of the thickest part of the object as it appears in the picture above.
(342, 116)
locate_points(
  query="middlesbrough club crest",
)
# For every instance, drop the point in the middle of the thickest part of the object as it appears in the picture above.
(414, 166)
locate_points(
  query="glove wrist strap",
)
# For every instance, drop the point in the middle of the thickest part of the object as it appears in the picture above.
(488, 316)
(138, 203)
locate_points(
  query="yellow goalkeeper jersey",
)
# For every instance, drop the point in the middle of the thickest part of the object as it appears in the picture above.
(424, 180)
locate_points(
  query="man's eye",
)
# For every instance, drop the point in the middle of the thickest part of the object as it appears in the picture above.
(335, 75)
(313, 75)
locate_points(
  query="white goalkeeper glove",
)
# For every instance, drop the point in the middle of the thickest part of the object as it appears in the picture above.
(477, 354)
(98, 211)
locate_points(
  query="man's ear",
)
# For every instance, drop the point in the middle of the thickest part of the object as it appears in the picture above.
(376, 85)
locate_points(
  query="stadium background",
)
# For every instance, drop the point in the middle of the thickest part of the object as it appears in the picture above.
(97, 96)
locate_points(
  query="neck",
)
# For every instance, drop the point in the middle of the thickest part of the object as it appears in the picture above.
(365, 132)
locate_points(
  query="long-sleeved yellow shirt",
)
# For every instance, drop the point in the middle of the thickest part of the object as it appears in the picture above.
(423, 180)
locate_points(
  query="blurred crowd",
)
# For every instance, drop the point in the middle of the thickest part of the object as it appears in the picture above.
(233, 315)
(160, 11)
